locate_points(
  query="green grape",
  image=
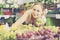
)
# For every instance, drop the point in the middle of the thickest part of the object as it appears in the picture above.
(30, 25)
(39, 20)
(4, 34)
(12, 35)
(37, 23)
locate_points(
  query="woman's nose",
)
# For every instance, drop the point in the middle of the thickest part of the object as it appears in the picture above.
(36, 12)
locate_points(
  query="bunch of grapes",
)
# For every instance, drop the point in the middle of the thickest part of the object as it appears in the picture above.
(44, 34)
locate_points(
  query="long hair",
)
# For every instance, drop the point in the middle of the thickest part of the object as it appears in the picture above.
(38, 3)
(42, 6)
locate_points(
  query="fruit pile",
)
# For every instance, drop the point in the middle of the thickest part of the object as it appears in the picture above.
(30, 32)
(39, 33)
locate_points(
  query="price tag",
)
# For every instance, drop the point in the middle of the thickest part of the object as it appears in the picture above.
(57, 16)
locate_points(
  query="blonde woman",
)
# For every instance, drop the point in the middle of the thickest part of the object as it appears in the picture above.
(31, 15)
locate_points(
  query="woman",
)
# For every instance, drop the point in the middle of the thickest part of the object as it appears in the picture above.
(30, 16)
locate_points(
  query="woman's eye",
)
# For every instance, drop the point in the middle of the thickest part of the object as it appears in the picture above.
(34, 9)
(38, 10)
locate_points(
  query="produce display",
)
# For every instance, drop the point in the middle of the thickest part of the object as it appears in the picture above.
(29, 32)
(26, 32)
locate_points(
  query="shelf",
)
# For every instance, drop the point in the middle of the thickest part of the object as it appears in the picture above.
(57, 16)
(7, 16)
(50, 15)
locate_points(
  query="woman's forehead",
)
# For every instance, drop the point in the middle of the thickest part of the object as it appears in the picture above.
(37, 7)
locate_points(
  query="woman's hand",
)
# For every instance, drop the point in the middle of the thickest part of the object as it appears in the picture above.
(21, 20)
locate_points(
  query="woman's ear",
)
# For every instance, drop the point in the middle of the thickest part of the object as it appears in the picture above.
(45, 11)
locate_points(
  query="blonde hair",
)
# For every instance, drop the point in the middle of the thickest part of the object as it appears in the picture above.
(38, 3)
(42, 6)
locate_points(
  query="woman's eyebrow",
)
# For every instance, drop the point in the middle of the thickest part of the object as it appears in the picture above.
(34, 9)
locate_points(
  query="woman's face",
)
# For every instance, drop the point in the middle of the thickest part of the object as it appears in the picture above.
(37, 11)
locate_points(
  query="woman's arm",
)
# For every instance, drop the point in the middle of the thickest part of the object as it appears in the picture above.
(21, 20)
